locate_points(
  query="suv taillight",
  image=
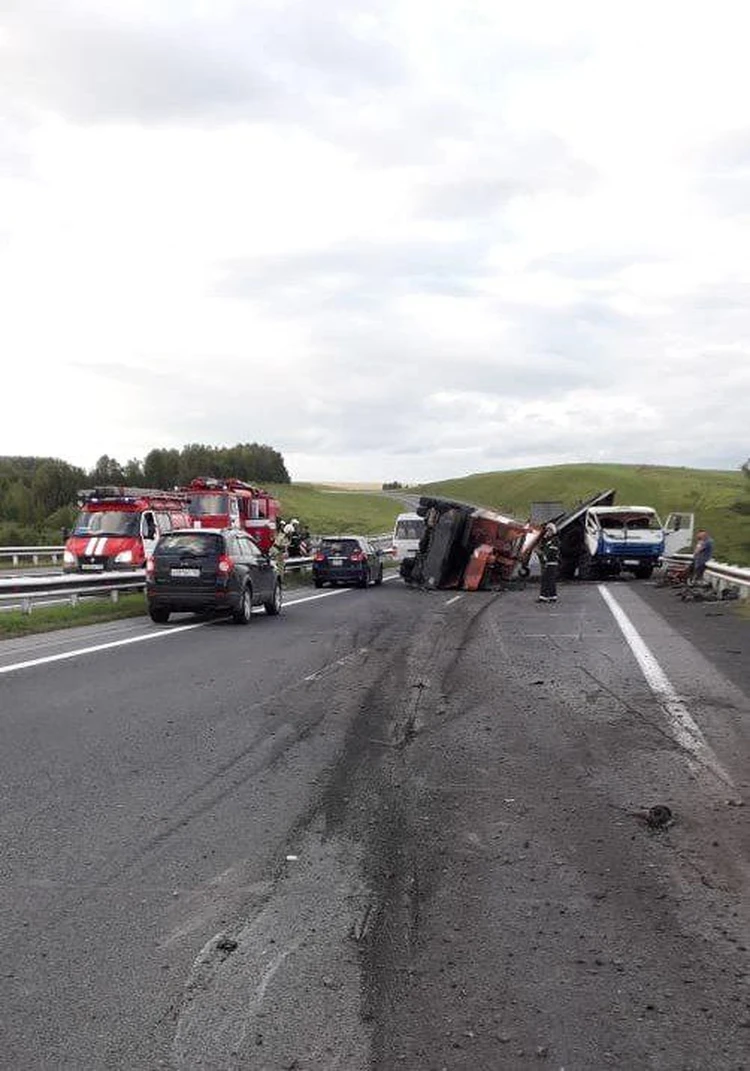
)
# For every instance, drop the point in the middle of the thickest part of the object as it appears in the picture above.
(358, 556)
(319, 557)
(226, 564)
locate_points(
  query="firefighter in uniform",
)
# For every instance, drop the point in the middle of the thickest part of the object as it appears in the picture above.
(280, 549)
(548, 553)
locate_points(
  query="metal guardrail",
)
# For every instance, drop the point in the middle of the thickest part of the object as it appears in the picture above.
(26, 590)
(720, 575)
(35, 553)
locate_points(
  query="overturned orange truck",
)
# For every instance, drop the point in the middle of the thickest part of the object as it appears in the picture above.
(469, 547)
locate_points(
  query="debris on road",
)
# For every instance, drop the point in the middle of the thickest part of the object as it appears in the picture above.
(657, 817)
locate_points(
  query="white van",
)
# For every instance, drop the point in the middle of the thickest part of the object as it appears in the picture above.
(407, 532)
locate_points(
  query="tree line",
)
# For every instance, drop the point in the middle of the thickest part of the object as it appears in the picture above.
(37, 494)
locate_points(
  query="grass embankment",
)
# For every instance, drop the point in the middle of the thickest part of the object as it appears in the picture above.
(709, 494)
(50, 618)
(333, 512)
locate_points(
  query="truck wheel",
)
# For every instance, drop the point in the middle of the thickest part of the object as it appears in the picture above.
(244, 611)
(587, 568)
(643, 572)
(379, 577)
(158, 615)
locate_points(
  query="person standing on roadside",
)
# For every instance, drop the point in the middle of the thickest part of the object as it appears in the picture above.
(280, 549)
(548, 552)
(702, 554)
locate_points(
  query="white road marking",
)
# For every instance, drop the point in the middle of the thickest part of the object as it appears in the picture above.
(157, 635)
(454, 599)
(77, 652)
(684, 728)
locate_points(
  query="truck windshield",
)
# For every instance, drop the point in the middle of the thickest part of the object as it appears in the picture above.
(631, 522)
(208, 505)
(107, 522)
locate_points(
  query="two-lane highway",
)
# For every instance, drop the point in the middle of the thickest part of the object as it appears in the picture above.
(390, 828)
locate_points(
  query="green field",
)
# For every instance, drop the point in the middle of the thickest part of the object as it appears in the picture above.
(707, 493)
(327, 512)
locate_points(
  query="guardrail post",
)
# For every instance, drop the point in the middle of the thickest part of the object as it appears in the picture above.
(26, 605)
(114, 595)
(73, 599)
(35, 559)
(15, 561)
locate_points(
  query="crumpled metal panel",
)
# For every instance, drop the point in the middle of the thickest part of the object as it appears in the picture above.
(467, 546)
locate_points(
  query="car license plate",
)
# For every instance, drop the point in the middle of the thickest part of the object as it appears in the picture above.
(337, 561)
(184, 572)
(93, 567)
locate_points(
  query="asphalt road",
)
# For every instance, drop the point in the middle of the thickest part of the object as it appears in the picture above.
(388, 829)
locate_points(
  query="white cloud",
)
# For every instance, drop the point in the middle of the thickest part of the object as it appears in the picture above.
(403, 242)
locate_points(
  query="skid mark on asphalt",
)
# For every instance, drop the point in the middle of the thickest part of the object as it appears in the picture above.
(684, 728)
(242, 1002)
(331, 667)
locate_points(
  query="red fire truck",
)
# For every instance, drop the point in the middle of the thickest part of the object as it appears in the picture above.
(230, 503)
(117, 527)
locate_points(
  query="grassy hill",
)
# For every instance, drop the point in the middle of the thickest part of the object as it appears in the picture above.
(327, 511)
(710, 494)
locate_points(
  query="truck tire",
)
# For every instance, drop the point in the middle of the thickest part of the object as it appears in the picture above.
(158, 615)
(587, 568)
(567, 569)
(643, 572)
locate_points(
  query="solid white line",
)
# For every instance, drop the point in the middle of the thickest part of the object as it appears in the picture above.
(99, 647)
(79, 651)
(454, 599)
(682, 724)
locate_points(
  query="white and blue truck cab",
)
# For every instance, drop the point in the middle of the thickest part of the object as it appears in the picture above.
(599, 539)
(622, 539)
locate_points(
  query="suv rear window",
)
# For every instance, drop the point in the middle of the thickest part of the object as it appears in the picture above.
(204, 543)
(341, 547)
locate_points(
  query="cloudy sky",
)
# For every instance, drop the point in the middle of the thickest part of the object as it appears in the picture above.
(394, 239)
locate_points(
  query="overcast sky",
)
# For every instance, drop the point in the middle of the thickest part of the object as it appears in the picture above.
(395, 239)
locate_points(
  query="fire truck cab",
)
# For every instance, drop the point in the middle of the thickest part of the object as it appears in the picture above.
(117, 527)
(230, 503)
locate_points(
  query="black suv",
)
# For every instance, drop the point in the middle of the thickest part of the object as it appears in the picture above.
(210, 570)
(347, 559)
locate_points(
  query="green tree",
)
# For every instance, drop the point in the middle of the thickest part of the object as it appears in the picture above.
(18, 505)
(133, 473)
(161, 468)
(54, 485)
(107, 472)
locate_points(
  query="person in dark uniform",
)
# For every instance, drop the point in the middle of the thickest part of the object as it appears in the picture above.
(548, 552)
